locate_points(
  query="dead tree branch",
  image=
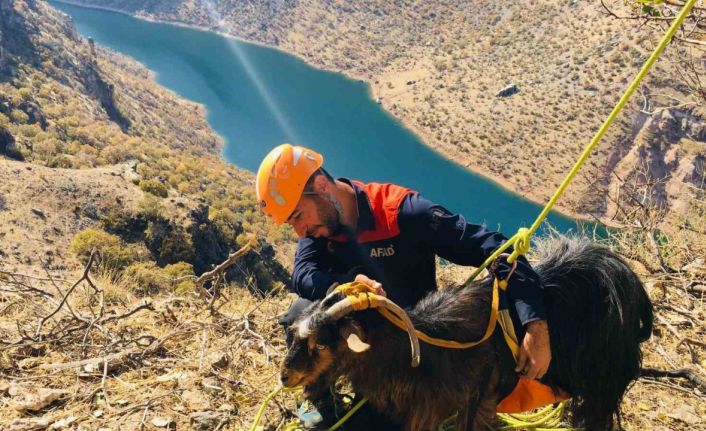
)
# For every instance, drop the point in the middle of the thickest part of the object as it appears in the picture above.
(685, 373)
(84, 277)
(220, 269)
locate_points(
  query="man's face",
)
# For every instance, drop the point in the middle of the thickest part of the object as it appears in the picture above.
(314, 216)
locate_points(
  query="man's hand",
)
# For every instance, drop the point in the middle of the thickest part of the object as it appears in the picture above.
(375, 285)
(535, 351)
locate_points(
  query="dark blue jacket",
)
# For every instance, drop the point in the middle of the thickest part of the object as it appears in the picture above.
(398, 236)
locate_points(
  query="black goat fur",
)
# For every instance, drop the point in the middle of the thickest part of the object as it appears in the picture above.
(598, 314)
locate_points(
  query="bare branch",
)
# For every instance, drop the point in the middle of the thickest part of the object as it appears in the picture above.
(684, 373)
(218, 270)
(68, 293)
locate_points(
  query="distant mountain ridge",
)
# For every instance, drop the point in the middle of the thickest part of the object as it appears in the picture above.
(438, 66)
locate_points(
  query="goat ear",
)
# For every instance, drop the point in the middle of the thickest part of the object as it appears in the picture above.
(356, 344)
(352, 333)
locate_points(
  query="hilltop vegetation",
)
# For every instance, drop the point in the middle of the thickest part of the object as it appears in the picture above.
(437, 66)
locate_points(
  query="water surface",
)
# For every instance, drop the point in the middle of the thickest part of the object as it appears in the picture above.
(259, 97)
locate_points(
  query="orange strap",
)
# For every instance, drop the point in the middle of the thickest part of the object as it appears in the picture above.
(529, 395)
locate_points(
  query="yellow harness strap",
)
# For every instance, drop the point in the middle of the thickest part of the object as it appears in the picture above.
(362, 298)
(505, 322)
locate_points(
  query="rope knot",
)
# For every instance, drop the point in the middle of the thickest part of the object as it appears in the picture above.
(522, 244)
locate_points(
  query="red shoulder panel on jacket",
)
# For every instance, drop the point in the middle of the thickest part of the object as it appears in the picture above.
(385, 200)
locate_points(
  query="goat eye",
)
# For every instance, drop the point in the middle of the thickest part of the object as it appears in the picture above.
(320, 347)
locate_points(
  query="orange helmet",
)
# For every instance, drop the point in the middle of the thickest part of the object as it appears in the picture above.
(281, 178)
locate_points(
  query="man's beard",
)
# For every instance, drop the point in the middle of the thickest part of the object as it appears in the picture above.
(329, 211)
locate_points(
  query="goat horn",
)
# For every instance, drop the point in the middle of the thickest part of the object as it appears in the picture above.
(344, 306)
(340, 309)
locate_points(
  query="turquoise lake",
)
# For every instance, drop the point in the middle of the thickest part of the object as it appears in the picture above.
(259, 97)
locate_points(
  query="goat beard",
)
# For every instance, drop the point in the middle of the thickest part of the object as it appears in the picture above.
(317, 389)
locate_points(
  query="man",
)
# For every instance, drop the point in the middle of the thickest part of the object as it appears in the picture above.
(388, 237)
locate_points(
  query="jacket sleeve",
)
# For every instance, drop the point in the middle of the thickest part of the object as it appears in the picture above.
(452, 238)
(313, 275)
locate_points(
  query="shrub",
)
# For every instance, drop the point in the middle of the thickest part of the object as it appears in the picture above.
(176, 246)
(115, 293)
(154, 187)
(168, 242)
(19, 117)
(127, 226)
(262, 277)
(61, 161)
(150, 207)
(146, 278)
(4, 121)
(25, 94)
(113, 254)
(226, 222)
(46, 149)
(115, 154)
(181, 269)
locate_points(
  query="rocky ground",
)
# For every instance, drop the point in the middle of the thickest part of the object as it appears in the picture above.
(41, 209)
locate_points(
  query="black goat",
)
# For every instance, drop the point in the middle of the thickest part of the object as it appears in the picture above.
(598, 313)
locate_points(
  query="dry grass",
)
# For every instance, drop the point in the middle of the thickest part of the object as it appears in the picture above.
(171, 357)
(668, 251)
(177, 358)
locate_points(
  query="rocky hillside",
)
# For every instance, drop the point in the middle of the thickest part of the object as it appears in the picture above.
(42, 208)
(95, 156)
(93, 142)
(438, 66)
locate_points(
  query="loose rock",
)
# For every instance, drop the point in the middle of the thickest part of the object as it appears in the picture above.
(217, 360)
(164, 423)
(63, 423)
(195, 400)
(39, 213)
(508, 91)
(205, 421)
(30, 399)
(28, 424)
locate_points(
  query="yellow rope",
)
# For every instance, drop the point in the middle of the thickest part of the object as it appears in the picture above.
(295, 425)
(545, 419)
(521, 240)
(362, 298)
(451, 344)
(521, 243)
(266, 401)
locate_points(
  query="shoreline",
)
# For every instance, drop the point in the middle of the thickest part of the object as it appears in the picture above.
(420, 134)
